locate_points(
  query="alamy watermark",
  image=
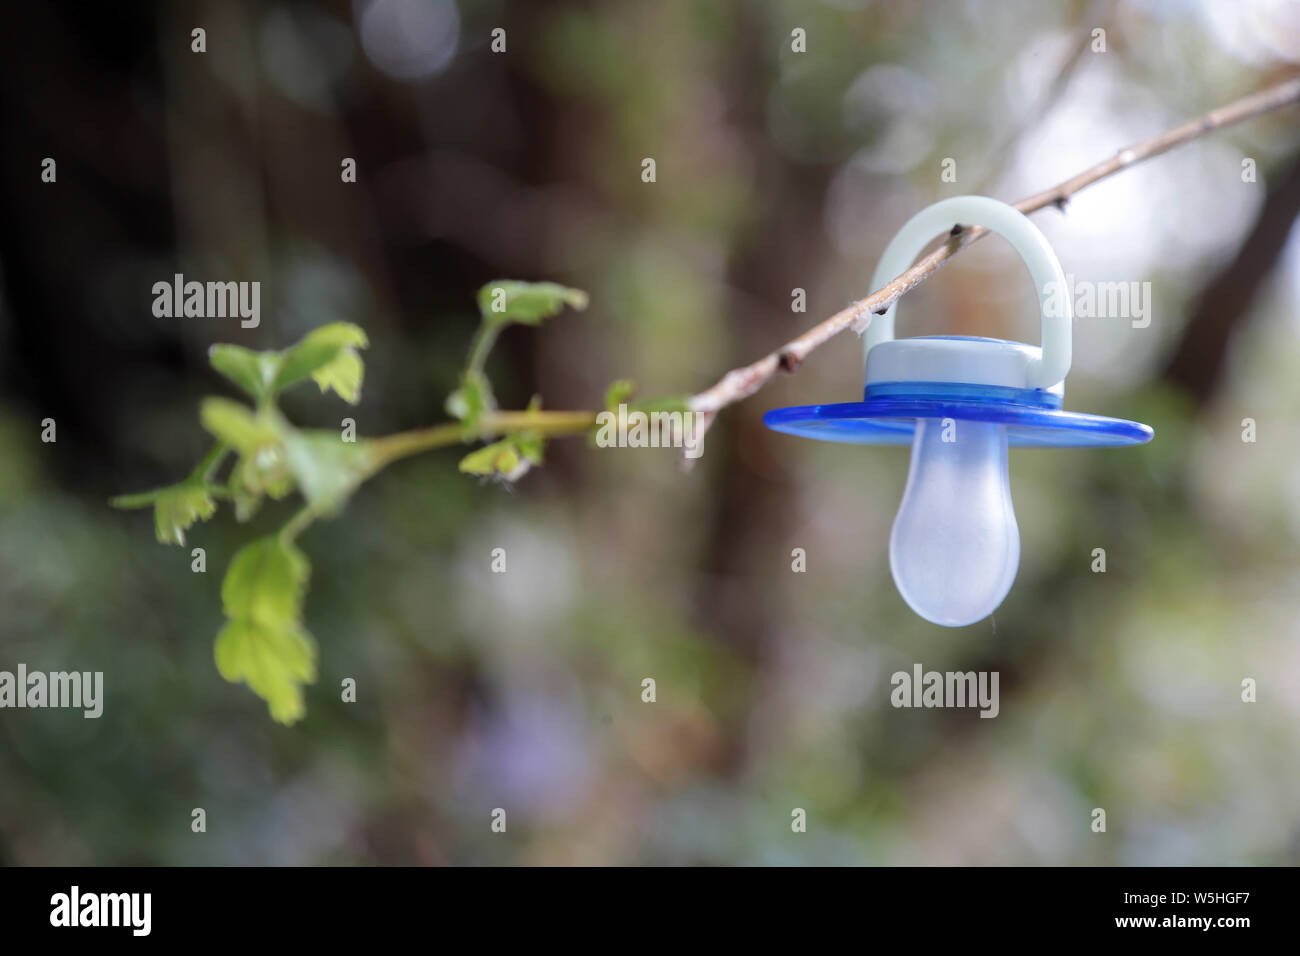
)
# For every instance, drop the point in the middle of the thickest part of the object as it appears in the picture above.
(212, 300)
(1099, 300)
(75, 908)
(634, 428)
(923, 688)
(36, 689)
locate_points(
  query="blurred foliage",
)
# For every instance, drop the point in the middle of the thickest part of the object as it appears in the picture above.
(264, 644)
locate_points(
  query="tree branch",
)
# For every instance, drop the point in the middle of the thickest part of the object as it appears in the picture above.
(742, 382)
(391, 448)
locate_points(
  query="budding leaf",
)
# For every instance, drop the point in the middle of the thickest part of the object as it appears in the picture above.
(266, 581)
(618, 393)
(259, 439)
(530, 446)
(266, 473)
(264, 644)
(344, 375)
(246, 501)
(275, 663)
(175, 508)
(500, 457)
(236, 425)
(329, 356)
(251, 371)
(472, 399)
(509, 300)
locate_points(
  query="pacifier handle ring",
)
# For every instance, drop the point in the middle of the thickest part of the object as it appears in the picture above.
(1033, 247)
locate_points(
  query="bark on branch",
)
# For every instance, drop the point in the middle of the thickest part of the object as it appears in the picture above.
(742, 382)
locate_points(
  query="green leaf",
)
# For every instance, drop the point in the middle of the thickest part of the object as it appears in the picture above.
(500, 457)
(236, 425)
(266, 474)
(618, 393)
(329, 356)
(344, 375)
(275, 663)
(530, 445)
(264, 644)
(509, 300)
(259, 440)
(266, 581)
(246, 502)
(472, 399)
(327, 468)
(175, 507)
(178, 507)
(251, 371)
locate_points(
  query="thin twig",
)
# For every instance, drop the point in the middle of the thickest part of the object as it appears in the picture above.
(383, 451)
(391, 448)
(742, 382)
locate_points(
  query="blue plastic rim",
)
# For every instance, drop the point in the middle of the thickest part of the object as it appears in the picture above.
(888, 413)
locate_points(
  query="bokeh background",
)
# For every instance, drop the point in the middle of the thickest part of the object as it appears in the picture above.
(776, 170)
